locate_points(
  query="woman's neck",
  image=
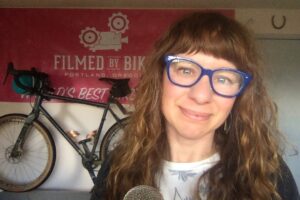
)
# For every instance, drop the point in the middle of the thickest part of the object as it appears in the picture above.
(191, 150)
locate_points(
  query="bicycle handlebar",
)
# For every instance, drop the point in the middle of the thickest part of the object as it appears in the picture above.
(42, 82)
(10, 67)
(120, 87)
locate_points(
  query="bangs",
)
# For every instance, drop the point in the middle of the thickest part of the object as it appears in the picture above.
(214, 35)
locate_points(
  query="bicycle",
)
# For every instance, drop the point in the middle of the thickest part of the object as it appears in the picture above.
(27, 149)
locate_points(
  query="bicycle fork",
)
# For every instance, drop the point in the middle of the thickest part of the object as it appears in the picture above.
(17, 149)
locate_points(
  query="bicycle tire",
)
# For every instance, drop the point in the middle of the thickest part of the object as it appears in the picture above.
(37, 160)
(110, 140)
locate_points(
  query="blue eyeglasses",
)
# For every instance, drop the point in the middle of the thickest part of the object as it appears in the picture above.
(226, 82)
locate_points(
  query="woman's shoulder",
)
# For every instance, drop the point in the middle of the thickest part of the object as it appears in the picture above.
(286, 185)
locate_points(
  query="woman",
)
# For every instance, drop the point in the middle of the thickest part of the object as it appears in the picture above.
(204, 126)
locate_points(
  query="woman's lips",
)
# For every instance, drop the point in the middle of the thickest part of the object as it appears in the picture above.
(194, 115)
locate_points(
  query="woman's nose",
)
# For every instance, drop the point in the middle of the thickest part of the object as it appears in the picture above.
(201, 92)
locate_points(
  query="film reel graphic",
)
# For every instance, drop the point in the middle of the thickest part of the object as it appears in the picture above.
(118, 23)
(89, 36)
(96, 40)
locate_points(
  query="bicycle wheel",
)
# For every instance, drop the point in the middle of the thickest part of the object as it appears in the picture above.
(112, 137)
(36, 160)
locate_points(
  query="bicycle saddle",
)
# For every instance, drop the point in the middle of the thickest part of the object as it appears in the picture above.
(114, 81)
(120, 87)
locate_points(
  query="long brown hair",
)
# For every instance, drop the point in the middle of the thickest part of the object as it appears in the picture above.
(249, 172)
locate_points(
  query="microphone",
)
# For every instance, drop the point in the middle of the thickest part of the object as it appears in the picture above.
(143, 192)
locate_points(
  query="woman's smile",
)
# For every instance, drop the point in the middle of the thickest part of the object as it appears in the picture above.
(195, 115)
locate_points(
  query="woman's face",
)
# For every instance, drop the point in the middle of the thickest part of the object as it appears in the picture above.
(194, 113)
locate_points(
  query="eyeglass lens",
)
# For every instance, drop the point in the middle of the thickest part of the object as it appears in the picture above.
(223, 81)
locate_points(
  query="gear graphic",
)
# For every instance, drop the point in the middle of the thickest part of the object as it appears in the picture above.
(118, 23)
(89, 37)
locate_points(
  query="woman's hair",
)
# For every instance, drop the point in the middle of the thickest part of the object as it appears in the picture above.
(249, 148)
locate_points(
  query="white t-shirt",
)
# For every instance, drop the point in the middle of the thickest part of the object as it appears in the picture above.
(179, 180)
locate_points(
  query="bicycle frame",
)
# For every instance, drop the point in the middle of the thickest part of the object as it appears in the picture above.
(88, 156)
(41, 90)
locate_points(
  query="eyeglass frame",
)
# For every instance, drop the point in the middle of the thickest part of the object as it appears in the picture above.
(246, 77)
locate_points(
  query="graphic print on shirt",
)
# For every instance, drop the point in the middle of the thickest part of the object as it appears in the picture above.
(183, 175)
(178, 197)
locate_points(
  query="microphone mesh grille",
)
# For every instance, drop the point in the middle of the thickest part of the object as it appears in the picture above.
(143, 192)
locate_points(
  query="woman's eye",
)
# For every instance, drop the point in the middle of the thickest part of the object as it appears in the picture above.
(185, 71)
(224, 80)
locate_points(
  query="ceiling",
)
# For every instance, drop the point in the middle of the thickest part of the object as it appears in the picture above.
(261, 4)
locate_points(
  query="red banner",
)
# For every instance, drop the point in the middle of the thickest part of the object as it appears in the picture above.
(78, 46)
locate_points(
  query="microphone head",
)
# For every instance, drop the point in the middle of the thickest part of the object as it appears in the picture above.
(143, 192)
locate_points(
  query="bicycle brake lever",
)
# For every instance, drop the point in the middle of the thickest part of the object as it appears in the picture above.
(10, 68)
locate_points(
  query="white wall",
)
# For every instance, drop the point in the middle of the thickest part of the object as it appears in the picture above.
(282, 59)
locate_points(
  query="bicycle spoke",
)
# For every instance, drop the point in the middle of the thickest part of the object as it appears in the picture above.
(7, 136)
